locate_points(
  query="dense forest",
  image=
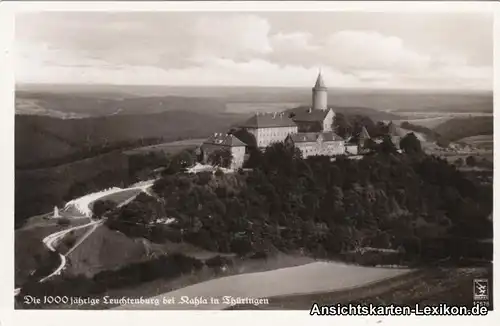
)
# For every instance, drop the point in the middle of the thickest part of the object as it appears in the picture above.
(458, 128)
(429, 133)
(454, 129)
(420, 206)
(385, 200)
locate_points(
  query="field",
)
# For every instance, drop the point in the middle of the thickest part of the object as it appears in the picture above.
(430, 123)
(429, 286)
(167, 148)
(309, 278)
(480, 141)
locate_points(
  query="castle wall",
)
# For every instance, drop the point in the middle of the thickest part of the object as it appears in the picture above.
(330, 148)
(267, 136)
(238, 153)
(328, 121)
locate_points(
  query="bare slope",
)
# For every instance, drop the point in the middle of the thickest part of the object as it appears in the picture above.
(106, 250)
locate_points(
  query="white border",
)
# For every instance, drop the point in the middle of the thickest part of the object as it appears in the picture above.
(8, 316)
(374, 6)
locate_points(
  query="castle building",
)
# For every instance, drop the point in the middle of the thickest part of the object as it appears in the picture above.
(308, 129)
(268, 128)
(317, 143)
(224, 142)
(310, 120)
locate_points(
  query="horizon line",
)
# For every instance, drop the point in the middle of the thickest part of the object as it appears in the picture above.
(468, 90)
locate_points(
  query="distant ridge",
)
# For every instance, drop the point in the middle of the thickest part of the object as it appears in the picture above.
(348, 110)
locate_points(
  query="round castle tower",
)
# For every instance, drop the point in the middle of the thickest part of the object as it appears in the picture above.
(319, 94)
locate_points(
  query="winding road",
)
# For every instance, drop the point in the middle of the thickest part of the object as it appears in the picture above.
(83, 205)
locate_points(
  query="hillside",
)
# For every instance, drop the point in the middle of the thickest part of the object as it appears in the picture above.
(40, 138)
(458, 128)
(102, 104)
(106, 249)
(29, 252)
(322, 207)
(37, 191)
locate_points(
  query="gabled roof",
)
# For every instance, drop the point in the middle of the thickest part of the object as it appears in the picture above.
(221, 139)
(310, 137)
(269, 120)
(364, 134)
(319, 82)
(309, 115)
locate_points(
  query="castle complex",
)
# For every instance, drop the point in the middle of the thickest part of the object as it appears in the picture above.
(308, 129)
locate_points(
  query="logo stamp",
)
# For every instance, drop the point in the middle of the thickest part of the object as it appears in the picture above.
(481, 290)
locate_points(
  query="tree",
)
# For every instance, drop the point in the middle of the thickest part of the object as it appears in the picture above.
(255, 158)
(360, 121)
(341, 125)
(101, 207)
(387, 146)
(185, 158)
(470, 161)
(370, 144)
(410, 144)
(221, 157)
(459, 161)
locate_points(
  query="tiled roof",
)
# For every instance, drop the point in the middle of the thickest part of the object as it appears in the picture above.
(309, 115)
(308, 137)
(269, 120)
(224, 140)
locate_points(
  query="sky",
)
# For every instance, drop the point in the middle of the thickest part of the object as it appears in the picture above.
(352, 49)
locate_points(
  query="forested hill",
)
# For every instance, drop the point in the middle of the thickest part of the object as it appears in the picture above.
(458, 128)
(40, 139)
(385, 200)
(373, 114)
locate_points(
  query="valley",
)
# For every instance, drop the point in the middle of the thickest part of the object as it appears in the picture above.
(67, 152)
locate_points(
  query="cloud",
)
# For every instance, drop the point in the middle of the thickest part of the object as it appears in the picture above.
(234, 36)
(372, 50)
(295, 41)
(230, 49)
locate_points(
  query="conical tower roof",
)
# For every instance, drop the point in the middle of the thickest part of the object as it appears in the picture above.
(319, 81)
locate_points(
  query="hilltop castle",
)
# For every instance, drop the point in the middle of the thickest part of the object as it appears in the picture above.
(307, 128)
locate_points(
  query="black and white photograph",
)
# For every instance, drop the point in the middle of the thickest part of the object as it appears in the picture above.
(253, 160)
